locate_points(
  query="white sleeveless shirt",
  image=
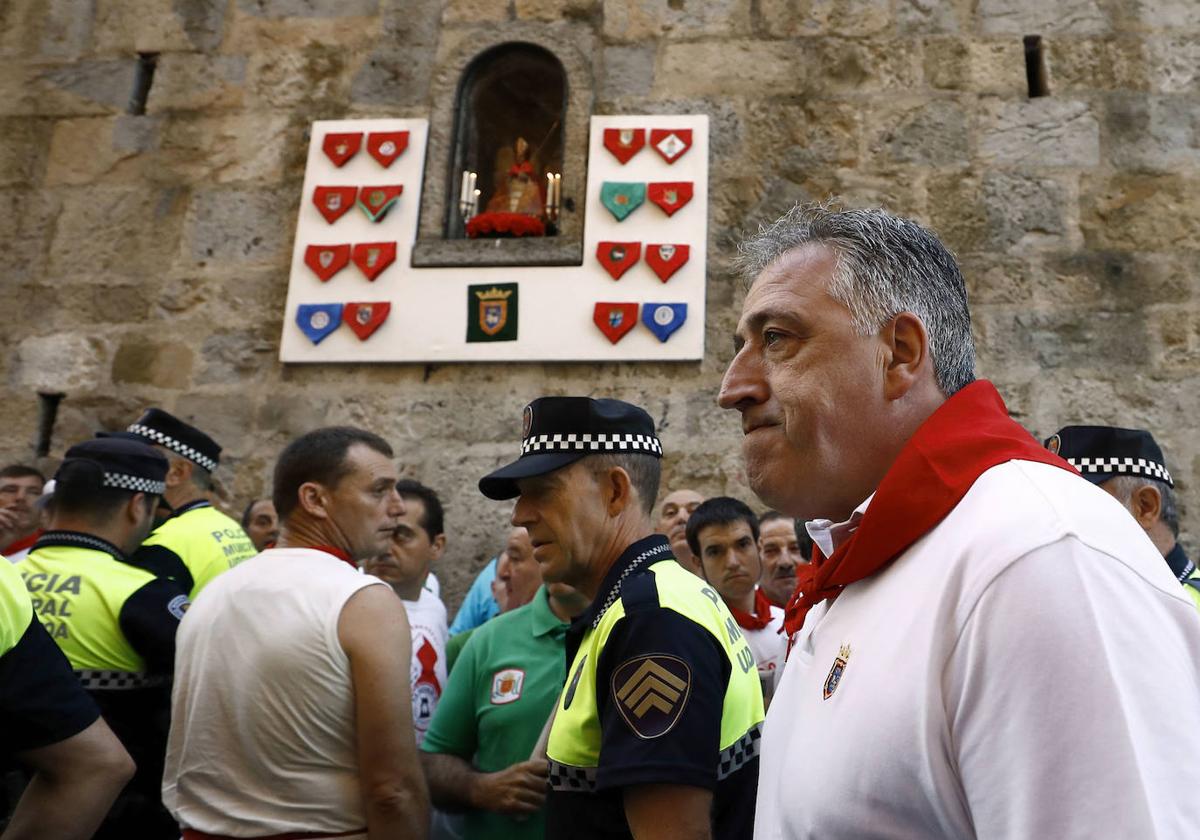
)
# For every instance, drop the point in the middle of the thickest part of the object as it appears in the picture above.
(262, 715)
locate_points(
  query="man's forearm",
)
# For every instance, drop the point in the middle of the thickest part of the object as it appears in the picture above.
(452, 781)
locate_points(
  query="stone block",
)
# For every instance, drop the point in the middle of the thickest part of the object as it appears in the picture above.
(925, 132)
(237, 148)
(77, 89)
(241, 226)
(1177, 15)
(552, 10)
(1076, 341)
(393, 75)
(795, 136)
(197, 82)
(308, 8)
(996, 279)
(236, 356)
(1173, 63)
(640, 20)
(1152, 133)
(1091, 64)
(143, 361)
(224, 416)
(1135, 212)
(999, 211)
(21, 22)
(729, 68)
(1035, 17)
(23, 152)
(27, 219)
(312, 80)
(94, 149)
(411, 22)
(1116, 281)
(66, 28)
(126, 26)
(106, 232)
(627, 71)
(1042, 132)
(852, 18)
(64, 361)
(923, 17)
(475, 11)
(859, 66)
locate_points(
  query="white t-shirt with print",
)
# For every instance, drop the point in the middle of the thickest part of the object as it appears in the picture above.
(430, 630)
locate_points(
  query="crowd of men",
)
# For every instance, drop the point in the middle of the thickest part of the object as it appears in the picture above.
(941, 628)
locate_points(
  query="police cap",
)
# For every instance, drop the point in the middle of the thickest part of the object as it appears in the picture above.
(558, 431)
(156, 426)
(1102, 452)
(124, 464)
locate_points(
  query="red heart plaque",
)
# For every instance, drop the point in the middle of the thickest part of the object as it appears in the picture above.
(615, 319)
(665, 260)
(365, 318)
(618, 257)
(373, 257)
(326, 260)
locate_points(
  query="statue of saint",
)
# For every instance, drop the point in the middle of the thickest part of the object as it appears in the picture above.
(519, 190)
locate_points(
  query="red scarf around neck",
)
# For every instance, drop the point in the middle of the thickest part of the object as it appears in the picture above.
(21, 544)
(344, 556)
(756, 620)
(968, 434)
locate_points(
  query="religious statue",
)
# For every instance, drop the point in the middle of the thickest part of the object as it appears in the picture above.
(519, 191)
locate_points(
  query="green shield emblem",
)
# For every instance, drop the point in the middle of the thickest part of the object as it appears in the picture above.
(622, 198)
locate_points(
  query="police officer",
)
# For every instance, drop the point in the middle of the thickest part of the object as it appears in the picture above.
(196, 542)
(657, 731)
(114, 621)
(1129, 465)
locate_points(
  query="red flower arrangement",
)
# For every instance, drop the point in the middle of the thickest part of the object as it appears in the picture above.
(496, 225)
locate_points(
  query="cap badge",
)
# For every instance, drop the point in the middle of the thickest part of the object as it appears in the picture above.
(527, 421)
(1054, 444)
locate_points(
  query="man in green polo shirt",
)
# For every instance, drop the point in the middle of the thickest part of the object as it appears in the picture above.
(477, 752)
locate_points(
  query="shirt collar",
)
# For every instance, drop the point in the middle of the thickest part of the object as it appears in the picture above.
(647, 550)
(76, 539)
(1180, 565)
(542, 620)
(829, 536)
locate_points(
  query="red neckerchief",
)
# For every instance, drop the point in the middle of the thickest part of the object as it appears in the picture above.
(756, 620)
(968, 434)
(21, 545)
(344, 556)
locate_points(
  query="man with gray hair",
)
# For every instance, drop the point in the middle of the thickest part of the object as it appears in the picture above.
(971, 646)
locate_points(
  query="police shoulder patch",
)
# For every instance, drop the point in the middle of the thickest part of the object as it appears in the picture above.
(651, 692)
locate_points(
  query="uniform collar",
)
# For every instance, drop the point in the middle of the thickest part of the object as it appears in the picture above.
(645, 551)
(1180, 565)
(195, 504)
(542, 620)
(77, 539)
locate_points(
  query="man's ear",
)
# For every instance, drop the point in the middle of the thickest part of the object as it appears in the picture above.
(313, 500)
(617, 489)
(438, 546)
(134, 511)
(1146, 506)
(179, 472)
(906, 347)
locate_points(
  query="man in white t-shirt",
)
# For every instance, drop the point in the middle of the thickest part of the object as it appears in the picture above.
(417, 544)
(986, 645)
(722, 534)
(288, 717)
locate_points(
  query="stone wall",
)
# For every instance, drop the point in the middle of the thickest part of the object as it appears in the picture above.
(145, 256)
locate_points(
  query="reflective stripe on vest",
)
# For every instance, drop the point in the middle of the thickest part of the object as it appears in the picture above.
(78, 594)
(575, 737)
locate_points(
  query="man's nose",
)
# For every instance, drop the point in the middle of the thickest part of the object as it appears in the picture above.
(523, 514)
(396, 505)
(743, 384)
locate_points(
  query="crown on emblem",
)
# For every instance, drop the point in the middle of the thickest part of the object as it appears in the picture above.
(844, 652)
(494, 294)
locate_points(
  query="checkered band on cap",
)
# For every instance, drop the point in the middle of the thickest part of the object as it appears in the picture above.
(174, 445)
(591, 443)
(137, 484)
(1123, 466)
(567, 777)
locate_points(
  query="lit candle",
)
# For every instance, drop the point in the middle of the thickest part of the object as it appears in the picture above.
(462, 189)
(557, 189)
(474, 198)
(471, 190)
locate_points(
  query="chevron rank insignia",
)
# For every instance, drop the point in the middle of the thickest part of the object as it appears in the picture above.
(665, 260)
(365, 318)
(621, 198)
(615, 319)
(386, 146)
(377, 201)
(624, 143)
(663, 319)
(671, 143)
(326, 260)
(373, 257)
(618, 257)
(333, 202)
(339, 148)
(318, 320)
(671, 195)
(651, 693)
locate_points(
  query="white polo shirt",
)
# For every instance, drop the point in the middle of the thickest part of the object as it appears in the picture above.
(768, 646)
(1029, 669)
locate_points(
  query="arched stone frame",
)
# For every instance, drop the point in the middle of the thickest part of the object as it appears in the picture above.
(432, 249)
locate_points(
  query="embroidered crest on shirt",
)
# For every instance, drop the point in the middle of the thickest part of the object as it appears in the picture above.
(506, 686)
(835, 673)
(651, 693)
